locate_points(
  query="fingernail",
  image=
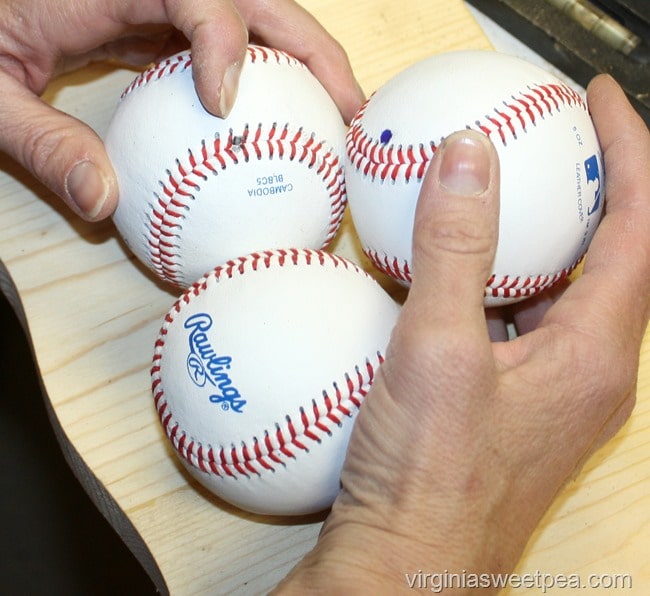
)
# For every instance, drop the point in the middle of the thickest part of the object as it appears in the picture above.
(229, 88)
(87, 188)
(465, 166)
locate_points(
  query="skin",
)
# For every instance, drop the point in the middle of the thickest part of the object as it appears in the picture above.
(39, 40)
(463, 443)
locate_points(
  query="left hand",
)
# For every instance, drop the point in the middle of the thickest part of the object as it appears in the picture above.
(40, 39)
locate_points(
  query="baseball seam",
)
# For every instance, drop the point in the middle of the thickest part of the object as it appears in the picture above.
(181, 186)
(182, 182)
(497, 286)
(389, 163)
(277, 445)
(183, 61)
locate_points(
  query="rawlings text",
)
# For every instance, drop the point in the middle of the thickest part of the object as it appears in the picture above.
(205, 366)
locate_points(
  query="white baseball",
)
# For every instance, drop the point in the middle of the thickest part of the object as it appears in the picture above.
(259, 371)
(551, 164)
(196, 190)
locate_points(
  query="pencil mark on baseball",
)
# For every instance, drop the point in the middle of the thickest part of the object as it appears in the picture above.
(385, 162)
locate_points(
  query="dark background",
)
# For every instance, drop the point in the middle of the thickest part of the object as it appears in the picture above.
(52, 538)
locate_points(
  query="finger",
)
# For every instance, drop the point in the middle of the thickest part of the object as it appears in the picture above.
(62, 152)
(136, 49)
(613, 294)
(456, 229)
(219, 37)
(289, 27)
(139, 51)
(215, 29)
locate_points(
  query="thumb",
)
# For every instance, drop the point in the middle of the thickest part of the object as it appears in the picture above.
(59, 150)
(456, 229)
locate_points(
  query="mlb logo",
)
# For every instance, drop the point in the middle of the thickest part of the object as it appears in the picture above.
(592, 170)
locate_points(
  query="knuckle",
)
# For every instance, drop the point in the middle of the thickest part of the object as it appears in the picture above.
(600, 372)
(460, 235)
(41, 148)
(50, 148)
(432, 348)
(336, 51)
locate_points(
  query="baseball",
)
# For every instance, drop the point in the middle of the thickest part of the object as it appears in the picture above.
(196, 190)
(551, 164)
(259, 371)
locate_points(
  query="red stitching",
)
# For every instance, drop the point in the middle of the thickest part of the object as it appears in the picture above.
(159, 71)
(272, 447)
(502, 286)
(183, 181)
(394, 268)
(538, 102)
(389, 162)
(522, 287)
(181, 62)
(376, 160)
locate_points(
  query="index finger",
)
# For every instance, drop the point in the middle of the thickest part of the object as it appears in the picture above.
(288, 26)
(216, 31)
(219, 38)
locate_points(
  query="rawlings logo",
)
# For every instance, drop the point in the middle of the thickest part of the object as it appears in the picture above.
(205, 366)
(593, 176)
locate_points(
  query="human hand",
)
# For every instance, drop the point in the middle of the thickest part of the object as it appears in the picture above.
(462, 442)
(41, 39)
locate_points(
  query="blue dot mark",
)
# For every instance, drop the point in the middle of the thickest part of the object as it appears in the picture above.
(386, 136)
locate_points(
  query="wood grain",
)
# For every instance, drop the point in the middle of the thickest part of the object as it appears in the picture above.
(92, 314)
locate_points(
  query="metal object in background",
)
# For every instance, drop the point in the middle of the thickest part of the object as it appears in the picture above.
(583, 38)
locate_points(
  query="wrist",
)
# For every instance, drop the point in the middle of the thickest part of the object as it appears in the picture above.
(364, 552)
(353, 558)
